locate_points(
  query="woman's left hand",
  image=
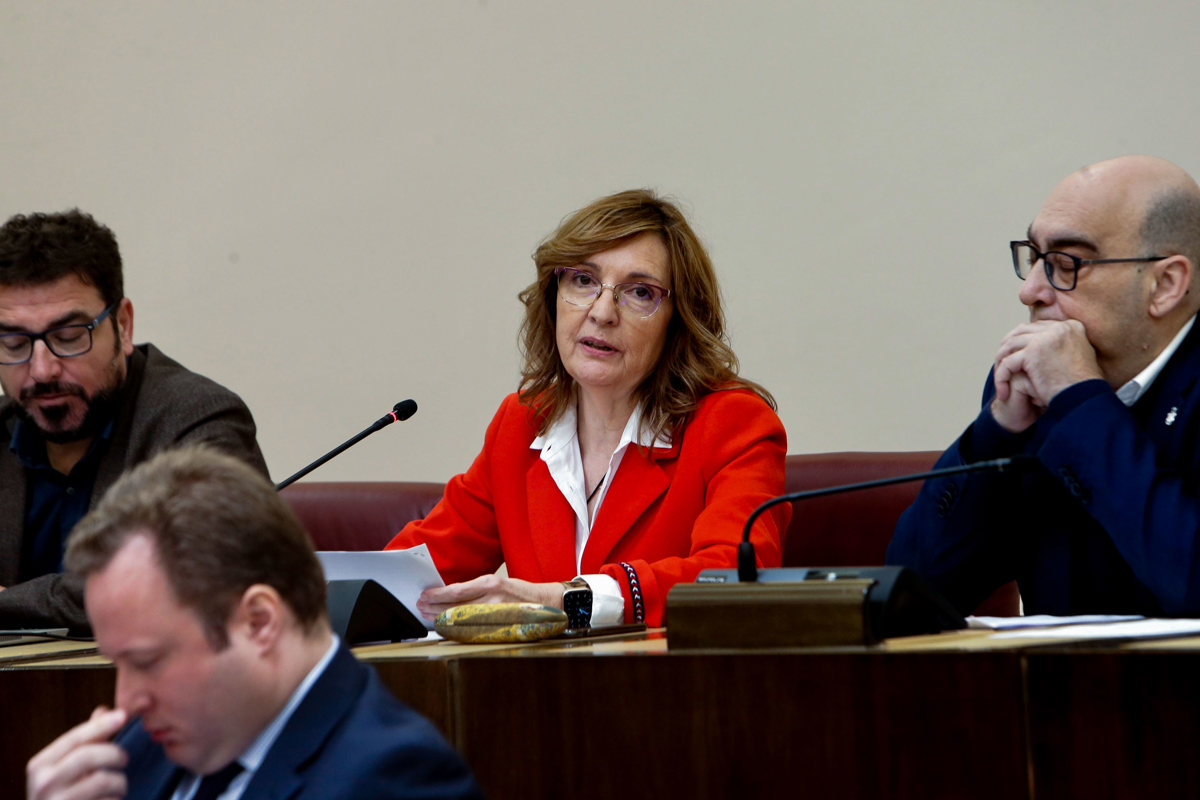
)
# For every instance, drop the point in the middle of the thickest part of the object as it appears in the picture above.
(488, 589)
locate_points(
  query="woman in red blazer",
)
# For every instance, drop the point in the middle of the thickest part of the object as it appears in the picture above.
(632, 455)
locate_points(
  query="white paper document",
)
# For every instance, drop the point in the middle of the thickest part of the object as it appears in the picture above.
(1044, 621)
(1136, 628)
(404, 573)
(31, 636)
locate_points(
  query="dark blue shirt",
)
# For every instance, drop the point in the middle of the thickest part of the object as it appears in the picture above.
(54, 502)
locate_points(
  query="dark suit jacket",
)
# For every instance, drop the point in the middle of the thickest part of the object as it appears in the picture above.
(348, 738)
(162, 405)
(1104, 520)
(669, 515)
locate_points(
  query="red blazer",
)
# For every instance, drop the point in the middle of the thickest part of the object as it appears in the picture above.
(669, 517)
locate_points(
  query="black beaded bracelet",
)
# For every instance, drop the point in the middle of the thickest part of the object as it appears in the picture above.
(635, 591)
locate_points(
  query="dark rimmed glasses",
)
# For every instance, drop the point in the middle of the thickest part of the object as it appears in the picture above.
(581, 288)
(65, 341)
(1062, 269)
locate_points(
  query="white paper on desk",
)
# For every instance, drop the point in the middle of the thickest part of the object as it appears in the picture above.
(404, 573)
(1044, 621)
(31, 635)
(1138, 628)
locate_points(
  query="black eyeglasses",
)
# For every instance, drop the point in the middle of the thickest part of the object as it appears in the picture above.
(581, 288)
(65, 341)
(1062, 269)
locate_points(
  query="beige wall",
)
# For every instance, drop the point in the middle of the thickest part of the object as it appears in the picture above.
(330, 207)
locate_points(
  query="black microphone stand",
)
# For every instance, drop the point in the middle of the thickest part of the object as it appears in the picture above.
(798, 607)
(748, 569)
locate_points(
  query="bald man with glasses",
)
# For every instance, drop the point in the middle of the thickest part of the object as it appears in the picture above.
(82, 403)
(1099, 391)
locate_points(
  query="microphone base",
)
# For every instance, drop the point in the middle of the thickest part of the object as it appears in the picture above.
(768, 614)
(805, 607)
(362, 612)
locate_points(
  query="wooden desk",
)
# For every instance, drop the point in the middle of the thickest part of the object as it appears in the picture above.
(615, 719)
(45, 689)
(1111, 722)
(926, 717)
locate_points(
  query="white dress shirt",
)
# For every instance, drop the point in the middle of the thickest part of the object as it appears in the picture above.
(1132, 391)
(564, 460)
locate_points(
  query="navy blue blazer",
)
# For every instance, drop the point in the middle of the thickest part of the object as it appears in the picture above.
(348, 738)
(1104, 519)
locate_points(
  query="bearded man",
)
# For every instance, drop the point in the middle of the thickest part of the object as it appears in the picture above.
(81, 404)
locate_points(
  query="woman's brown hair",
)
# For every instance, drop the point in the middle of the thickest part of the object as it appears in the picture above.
(696, 358)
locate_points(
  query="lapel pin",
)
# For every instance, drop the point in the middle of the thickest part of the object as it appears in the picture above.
(1170, 420)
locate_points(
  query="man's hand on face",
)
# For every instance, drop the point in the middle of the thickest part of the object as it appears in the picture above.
(1035, 362)
(82, 764)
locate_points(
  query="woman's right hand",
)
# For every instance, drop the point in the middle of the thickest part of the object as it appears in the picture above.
(488, 589)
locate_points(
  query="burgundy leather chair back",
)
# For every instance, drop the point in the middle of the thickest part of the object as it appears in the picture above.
(850, 529)
(853, 528)
(359, 515)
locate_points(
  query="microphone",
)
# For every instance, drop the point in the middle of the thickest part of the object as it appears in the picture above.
(747, 570)
(361, 610)
(802, 607)
(401, 411)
